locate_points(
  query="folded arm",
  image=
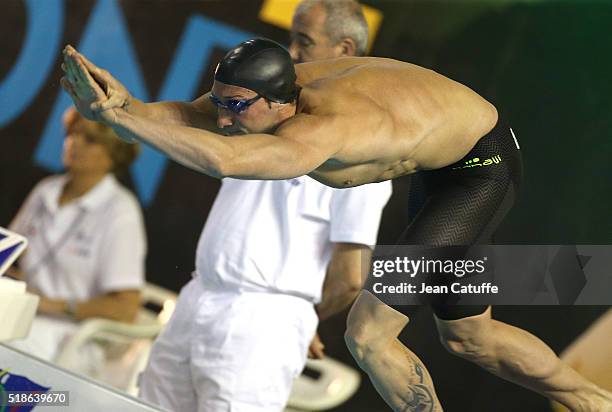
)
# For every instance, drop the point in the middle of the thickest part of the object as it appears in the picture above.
(343, 282)
(344, 279)
(121, 305)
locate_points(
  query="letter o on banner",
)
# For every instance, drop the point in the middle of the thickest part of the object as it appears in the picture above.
(41, 48)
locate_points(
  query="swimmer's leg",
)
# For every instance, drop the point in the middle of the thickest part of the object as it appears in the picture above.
(518, 356)
(398, 374)
(591, 354)
(468, 213)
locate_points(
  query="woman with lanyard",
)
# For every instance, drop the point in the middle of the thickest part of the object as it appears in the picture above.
(86, 235)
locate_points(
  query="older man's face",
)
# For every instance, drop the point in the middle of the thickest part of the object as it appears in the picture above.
(309, 42)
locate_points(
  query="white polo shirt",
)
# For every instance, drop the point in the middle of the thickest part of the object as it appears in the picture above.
(88, 247)
(276, 236)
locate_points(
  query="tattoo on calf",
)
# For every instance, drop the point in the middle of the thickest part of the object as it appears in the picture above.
(420, 397)
(419, 371)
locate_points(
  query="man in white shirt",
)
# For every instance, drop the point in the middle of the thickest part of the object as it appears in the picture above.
(242, 327)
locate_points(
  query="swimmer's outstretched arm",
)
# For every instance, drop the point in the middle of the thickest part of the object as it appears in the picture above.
(298, 146)
(295, 150)
(200, 113)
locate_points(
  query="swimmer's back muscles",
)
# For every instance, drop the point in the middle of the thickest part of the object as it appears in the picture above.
(405, 117)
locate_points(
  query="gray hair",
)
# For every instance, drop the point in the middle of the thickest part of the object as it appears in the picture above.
(343, 19)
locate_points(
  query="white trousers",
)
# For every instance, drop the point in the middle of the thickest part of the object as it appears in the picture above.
(229, 352)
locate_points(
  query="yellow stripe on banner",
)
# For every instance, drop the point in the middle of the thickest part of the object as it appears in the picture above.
(3, 372)
(280, 13)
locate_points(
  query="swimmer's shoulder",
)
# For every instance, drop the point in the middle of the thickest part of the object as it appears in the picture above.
(321, 69)
(323, 99)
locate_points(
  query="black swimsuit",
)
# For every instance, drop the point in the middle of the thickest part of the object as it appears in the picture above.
(466, 201)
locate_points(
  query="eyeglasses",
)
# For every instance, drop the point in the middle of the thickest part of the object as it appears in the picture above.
(236, 106)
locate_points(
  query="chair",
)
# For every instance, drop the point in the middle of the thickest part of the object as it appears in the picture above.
(120, 349)
(324, 384)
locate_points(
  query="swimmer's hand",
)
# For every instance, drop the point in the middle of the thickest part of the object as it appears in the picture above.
(80, 85)
(117, 96)
(315, 350)
(96, 94)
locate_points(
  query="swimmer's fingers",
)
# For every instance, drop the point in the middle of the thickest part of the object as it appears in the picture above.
(73, 69)
(117, 95)
(69, 66)
(101, 76)
(97, 72)
(83, 85)
(67, 86)
(81, 103)
(82, 108)
(87, 81)
(114, 100)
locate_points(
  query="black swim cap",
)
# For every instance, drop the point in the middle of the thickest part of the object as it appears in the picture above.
(261, 65)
